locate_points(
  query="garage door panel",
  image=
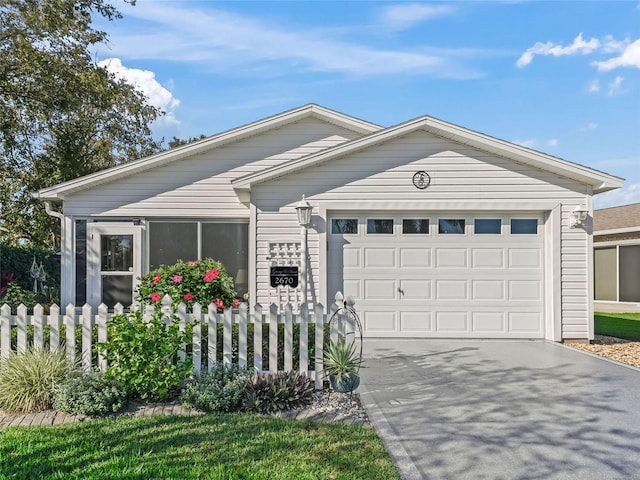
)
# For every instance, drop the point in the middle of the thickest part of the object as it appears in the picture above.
(451, 290)
(488, 322)
(525, 322)
(378, 322)
(415, 258)
(452, 322)
(525, 290)
(525, 258)
(415, 322)
(352, 289)
(379, 257)
(487, 258)
(416, 289)
(351, 257)
(487, 290)
(451, 258)
(380, 289)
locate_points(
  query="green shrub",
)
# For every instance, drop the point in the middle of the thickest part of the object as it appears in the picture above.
(218, 390)
(15, 295)
(29, 380)
(17, 260)
(268, 393)
(204, 281)
(144, 355)
(90, 394)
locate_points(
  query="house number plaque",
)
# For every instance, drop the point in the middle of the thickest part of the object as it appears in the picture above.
(421, 179)
(284, 276)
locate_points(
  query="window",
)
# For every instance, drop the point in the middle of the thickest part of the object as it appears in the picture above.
(524, 226)
(229, 244)
(605, 267)
(380, 226)
(226, 242)
(629, 286)
(172, 241)
(417, 225)
(482, 226)
(451, 226)
(344, 226)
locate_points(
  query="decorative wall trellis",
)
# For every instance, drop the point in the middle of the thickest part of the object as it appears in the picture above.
(285, 254)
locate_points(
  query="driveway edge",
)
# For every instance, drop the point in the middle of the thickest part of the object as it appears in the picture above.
(401, 459)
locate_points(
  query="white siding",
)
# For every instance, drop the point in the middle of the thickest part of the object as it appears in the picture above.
(462, 178)
(200, 187)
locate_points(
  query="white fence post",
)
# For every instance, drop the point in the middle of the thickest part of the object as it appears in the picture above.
(242, 335)
(5, 330)
(70, 325)
(54, 327)
(257, 338)
(196, 349)
(38, 327)
(273, 338)
(22, 328)
(212, 338)
(87, 327)
(102, 335)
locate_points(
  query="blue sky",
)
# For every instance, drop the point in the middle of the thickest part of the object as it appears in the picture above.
(559, 77)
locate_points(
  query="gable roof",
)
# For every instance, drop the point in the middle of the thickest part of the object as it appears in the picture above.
(60, 191)
(617, 219)
(600, 181)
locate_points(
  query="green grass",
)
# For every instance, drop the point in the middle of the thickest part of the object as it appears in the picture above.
(621, 325)
(223, 447)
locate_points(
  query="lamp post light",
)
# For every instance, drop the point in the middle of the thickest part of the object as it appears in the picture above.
(303, 209)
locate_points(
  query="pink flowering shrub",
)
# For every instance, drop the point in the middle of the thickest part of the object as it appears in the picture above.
(204, 281)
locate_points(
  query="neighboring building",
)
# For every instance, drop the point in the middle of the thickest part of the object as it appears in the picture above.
(434, 230)
(616, 242)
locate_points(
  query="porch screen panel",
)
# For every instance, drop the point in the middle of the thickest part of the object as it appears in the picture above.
(229, 244)
(81, 262)
(172, 241)
(630, 273)
(605, 274)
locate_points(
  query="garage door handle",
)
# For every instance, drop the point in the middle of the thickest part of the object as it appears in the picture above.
(401, 291)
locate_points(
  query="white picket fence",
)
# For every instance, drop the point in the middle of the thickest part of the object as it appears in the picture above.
(204, 320)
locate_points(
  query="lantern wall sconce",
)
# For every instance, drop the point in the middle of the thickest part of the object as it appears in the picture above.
(578, 217)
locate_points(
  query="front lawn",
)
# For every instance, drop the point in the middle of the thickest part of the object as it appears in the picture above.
(621, 325)
(224, 447)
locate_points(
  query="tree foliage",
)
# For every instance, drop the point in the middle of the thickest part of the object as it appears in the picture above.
(61, 115)
(178, 142)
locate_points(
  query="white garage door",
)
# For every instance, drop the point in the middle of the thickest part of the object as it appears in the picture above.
(450, 275)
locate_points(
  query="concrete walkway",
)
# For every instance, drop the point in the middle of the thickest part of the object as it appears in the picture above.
(449, 409)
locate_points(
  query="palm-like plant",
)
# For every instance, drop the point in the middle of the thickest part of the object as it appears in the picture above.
(342, 365)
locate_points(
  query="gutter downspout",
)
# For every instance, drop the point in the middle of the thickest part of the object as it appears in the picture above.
(51, 212)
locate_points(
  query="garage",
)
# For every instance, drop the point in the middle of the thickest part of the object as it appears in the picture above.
(431, 274)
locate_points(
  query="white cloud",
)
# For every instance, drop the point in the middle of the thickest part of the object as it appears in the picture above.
(578, 47)
(145, 81)
(630, 57)
(406, 15)
(622, 196)
(589, 126)
(228, 42)
(594, 87)
(552, 142)
(615, 87)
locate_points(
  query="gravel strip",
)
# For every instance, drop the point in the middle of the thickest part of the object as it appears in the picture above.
(618, 349)
(341, 405)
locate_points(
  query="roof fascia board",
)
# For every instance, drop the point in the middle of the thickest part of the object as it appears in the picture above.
(599, 180)
(615, 231)
(58, 192)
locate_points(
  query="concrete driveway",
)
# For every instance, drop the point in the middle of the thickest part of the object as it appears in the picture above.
(483, 409)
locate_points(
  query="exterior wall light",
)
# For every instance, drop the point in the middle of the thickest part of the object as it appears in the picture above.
(303, 209)
(578, 217)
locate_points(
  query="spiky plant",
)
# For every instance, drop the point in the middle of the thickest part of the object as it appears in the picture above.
(29, 380)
